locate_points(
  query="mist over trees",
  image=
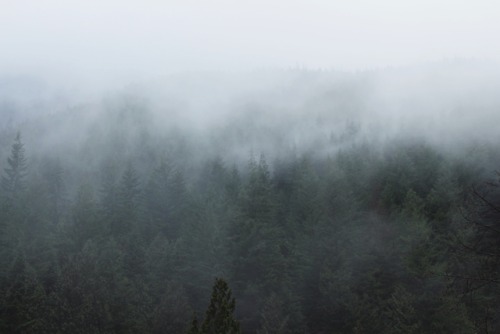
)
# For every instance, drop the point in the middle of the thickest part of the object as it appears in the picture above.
(324, 202)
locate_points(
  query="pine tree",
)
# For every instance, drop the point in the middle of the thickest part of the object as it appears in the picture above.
(12, 208)
(23, 304)
(13, 181)
(256, 234)
(109, 196)
(219, 316)
(85, 216)
(167, 201)
(195, 328)
(129, 190)
(172, 310)
(53, 173)
(158, 206)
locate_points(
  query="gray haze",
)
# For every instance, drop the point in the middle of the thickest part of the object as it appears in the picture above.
(108, 40)
(451, 105)
(299, 74)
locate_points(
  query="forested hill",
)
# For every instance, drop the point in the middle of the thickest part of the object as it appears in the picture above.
(329, 202)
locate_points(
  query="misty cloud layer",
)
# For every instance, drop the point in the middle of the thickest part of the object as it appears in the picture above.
(448, 104)
(112, 41)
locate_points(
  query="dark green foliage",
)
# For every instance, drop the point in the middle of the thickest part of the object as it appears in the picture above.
(219, 318)
(367, 240)
(53, 177)
(477, 266)
(109, 196)
(167, 201)
(158, 204)
(171, 314)
(258, 237)
(401, 313)
(127, 202)
(195, 328)
(84, 214)
(23, 304)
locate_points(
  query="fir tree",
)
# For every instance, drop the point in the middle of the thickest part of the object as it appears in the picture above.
(13, 181)
(194, 329)
(219, 316)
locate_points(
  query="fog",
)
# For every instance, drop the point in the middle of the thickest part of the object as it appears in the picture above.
(447, 103)
(112, 40)
(72, 53)
(79, 52)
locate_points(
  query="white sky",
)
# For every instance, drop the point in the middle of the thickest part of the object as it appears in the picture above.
(149, 37)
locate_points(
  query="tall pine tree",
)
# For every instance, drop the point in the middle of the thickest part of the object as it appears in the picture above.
(219, 316)
(13, 180)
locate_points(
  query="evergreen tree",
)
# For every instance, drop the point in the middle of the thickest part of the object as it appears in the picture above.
(477, 268)
(167, 201)
(219, 316)
(157, 201)
(53, 173)
(13, 181)
(128, 201)
(13, 209)
(172, 311)
(85, 217)
(195, 328)
(22, 309)
(109, 196)
(256, 234)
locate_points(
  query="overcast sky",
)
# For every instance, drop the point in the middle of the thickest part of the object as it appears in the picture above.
(147, 37)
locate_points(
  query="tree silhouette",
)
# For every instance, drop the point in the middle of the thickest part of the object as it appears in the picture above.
(219, 316)
(12, 182)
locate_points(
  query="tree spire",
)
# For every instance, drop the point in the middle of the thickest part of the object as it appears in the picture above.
(219, 316)
(12, 181)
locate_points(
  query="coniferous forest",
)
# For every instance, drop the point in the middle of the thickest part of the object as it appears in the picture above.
(304, 202)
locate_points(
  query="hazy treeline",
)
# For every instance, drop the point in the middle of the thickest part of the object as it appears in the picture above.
(117, 216)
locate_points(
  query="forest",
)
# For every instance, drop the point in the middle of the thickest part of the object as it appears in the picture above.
(321, 201)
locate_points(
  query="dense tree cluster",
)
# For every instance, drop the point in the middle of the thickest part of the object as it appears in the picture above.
(398, 238)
